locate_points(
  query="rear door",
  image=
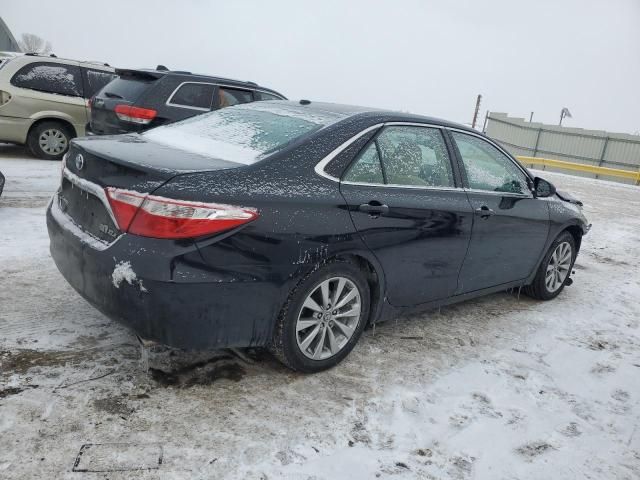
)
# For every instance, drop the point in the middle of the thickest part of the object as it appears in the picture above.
(510, 226)
(406, 202)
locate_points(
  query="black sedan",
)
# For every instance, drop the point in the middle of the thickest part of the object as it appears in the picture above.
(293, 226)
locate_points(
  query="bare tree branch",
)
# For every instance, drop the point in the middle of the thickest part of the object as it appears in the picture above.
(30, 43)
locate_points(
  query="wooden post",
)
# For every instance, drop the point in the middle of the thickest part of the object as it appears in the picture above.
(475, 113)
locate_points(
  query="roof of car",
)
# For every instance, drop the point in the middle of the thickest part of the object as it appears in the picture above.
(194, 76)
(53, 58)
(377, 114)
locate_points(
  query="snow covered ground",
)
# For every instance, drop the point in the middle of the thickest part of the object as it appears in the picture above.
(496, 388)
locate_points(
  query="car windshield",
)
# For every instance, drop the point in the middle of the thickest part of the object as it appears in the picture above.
(244, 133)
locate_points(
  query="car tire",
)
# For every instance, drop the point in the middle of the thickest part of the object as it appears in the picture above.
(336, 327)
(49, 140)
(555, 269)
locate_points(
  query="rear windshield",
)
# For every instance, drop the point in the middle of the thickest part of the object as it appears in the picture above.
(127, 88)
(243, 133)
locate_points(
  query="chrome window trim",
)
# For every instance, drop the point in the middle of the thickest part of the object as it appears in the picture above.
(319, 168)
(500, 194)
(224, 85)
(90, 187)
(413, 187)
(169, 103)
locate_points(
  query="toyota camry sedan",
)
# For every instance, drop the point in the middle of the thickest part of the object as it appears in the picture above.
(293, 226)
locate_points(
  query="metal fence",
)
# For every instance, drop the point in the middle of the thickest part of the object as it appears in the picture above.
(576, 145)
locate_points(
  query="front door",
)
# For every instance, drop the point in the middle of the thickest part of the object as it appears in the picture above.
(510, 226)
(404, 202)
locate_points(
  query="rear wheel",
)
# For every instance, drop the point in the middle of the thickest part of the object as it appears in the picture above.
(323, 318)
(554, 269)
(49, 140)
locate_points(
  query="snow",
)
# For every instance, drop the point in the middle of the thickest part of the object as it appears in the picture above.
(123, 272)
(501, 387)
(46, 77)
(243, 133)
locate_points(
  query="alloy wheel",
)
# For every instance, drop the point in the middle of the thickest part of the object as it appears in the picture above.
(558, 267)
(53, 141)
(328, 318)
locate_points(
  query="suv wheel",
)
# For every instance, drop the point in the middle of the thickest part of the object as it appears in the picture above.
(323, 318)
(49, 140)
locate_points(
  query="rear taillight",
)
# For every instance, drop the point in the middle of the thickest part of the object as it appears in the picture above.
(160, 217)
(4, 97)
(135, 114)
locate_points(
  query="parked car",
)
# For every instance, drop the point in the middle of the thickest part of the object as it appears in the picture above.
(43, 100)
(293, 226)
(142, 99)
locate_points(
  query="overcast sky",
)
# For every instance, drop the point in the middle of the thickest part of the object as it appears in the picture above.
(422, 56)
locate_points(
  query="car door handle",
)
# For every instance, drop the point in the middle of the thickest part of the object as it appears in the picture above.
(484, 212)
(374, 208)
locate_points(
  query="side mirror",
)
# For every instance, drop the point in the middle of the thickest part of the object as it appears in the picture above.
(542, 188)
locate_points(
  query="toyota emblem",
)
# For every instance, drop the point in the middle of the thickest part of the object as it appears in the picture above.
(79, 162)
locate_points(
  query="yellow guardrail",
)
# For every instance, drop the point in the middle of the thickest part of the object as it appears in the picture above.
(581, 167)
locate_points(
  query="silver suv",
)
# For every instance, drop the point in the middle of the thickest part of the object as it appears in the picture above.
(44, 101)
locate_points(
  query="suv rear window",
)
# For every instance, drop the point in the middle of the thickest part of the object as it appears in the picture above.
(127, 87)
(243, 133)
(96, 80)
(50, 77)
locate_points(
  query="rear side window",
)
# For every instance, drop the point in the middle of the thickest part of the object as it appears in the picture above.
(127, 88)
(232, 96)
(265, 96)
(193, 95)
(411, 156)
(367, 168)
(49, 77)
(96, 80)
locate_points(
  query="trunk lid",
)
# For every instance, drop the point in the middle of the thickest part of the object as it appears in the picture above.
(125, 161)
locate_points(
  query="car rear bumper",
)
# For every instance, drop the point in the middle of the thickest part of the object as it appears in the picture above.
(162, 290)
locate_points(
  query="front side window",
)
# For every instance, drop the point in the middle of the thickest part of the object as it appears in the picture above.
(49, 77)
(233, 96)
(193, 95)
(96, 80)
(488, 168)
(411, 156)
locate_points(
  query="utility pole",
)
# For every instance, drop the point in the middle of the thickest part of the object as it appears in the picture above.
(475, 113)
(531, 117)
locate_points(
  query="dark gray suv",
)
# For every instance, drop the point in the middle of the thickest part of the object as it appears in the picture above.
(141, 99)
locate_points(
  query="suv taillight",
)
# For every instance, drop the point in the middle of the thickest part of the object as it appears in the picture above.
(4, 97)
(129, 113)
(161, 217)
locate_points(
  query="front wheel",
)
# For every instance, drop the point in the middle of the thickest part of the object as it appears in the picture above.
(323, 318)
(554, 269)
